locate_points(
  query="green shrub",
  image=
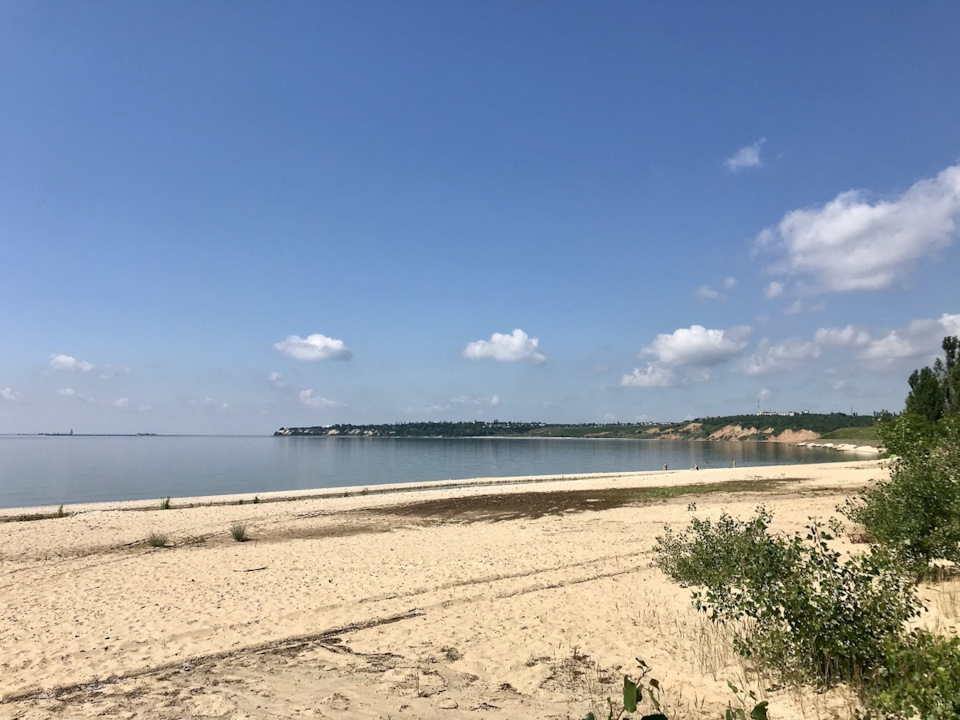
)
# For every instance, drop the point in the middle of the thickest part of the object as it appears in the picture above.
(916, 513)
(239, 532)
(808, 616)
(165, 504)
(920, 677)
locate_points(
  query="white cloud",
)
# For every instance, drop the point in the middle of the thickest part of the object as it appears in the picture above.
(774, 290)
(315, 401)
(709, 293)
(849, 336)
(798, 307)
(277, 380)
(66, 362)
(698, 346)
(109, 372)
(9, 394)
(745, 157)
(787, 355)
(920, 339)
(653, 375)
(764, 394)
(853, 244)
(470, 400)
(71, 393)
(516, 347)
(121, 402)
(313, 348)
(705, 292)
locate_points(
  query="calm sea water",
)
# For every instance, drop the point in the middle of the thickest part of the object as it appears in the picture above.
(37, 470)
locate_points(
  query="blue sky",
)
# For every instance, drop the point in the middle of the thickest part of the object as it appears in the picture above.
(229, 217)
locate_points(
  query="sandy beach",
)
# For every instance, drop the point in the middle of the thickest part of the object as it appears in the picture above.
(479, 599)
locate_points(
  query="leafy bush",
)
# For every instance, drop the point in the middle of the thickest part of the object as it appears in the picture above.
(805, 613)
(921, 676)
(916, 513)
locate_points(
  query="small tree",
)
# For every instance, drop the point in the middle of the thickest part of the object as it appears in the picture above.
(935, 392)
(926, 396)
(916, 513)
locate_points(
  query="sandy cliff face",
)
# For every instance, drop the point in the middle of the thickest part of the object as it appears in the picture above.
(795, 436)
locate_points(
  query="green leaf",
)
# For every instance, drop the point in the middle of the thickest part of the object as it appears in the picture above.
(589, 716)
(630, 695)
(759, 712)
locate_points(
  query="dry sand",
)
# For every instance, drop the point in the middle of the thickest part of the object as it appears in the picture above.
(466, 601)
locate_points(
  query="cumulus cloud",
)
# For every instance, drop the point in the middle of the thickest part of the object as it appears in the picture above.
(745, 157)
(66, 362)
(653, 375)
(852, 243)
(315, 401)
(313, 348)
(920, 339)
(787, 355)
(774, 290)
(697, 346)
(849, 336)
(516, 347)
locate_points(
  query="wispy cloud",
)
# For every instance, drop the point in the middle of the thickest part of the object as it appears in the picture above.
(121, 402)
(479, 401)
(208, 403)
(854, 244)
(67, 362)
(313, 348)
(849, 336)
(774, 290)
(9, 394)
(276, 379)
(788, 355)
(918, 342)
(515, 347)
(315, 401)
(709, 293)
(745, 157)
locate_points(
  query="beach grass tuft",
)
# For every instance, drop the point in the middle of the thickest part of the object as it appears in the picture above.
(239, 532)
(157, 539)
(165, 504)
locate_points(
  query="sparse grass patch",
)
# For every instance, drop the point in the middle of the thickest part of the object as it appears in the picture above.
(157, 539)
(165, 504)
(239, 532)
(30, 517)
(498, 507)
